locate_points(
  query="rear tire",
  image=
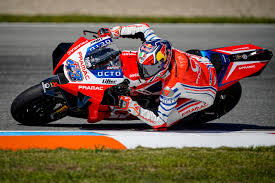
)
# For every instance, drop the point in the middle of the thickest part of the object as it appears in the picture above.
(32, 107)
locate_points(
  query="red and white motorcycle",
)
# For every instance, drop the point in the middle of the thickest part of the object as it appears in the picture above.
(90, 74)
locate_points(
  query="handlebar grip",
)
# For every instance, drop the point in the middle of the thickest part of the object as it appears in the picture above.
(122, 89)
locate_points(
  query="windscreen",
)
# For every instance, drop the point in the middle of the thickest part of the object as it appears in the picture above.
(103, 57)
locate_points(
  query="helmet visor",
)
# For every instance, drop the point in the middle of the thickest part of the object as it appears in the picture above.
(147, 71)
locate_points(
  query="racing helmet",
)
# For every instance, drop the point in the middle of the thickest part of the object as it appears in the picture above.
(154, 58)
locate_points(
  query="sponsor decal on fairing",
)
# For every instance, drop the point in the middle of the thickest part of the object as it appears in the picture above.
(109, 81)
(242, 66)
(113, 67)
(129, 53)
(77, 47)
(247, 67)
(98, 44)
(73, 70)
(134, 75)
(108, 73)
(83, 67)
(237, 49)
(90, 87)
(49, 85)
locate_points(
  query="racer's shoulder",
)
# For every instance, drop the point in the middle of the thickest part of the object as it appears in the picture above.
(180, 63)
(179, 66)
(180, 56)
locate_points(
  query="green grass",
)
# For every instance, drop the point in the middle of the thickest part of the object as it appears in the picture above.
(84, 18)
(139, 165)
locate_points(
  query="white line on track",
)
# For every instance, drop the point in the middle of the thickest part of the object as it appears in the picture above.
(180, 139)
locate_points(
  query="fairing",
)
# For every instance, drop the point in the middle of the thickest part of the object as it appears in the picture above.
(237, 62)
(93, 81)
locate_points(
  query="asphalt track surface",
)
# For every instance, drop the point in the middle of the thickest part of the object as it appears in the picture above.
(25, 60)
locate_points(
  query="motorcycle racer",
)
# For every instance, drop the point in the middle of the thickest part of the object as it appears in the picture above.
(188, 81)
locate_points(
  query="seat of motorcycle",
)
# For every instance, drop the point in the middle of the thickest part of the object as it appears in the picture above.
(217, 62)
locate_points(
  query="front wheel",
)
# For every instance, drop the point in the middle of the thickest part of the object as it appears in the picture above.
(32, 107)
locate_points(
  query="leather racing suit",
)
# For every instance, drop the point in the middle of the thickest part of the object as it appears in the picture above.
(190, 85)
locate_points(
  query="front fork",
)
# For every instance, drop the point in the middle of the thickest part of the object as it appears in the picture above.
(76, 104)
(50, 88)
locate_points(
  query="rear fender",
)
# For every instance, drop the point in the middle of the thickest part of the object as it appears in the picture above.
(238, 62)
(245, 64)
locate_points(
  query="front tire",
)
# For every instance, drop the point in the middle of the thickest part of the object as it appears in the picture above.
(32, 107)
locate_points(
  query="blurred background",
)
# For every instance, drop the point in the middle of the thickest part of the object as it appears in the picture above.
(187, 8)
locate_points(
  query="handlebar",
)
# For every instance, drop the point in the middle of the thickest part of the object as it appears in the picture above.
(119, 90)
(95, 34)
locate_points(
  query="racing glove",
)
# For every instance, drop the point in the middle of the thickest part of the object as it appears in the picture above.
(128, 104)
(134, 108)
(102, 32)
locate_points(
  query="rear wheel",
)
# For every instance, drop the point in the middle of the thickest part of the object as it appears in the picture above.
(32, 107)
